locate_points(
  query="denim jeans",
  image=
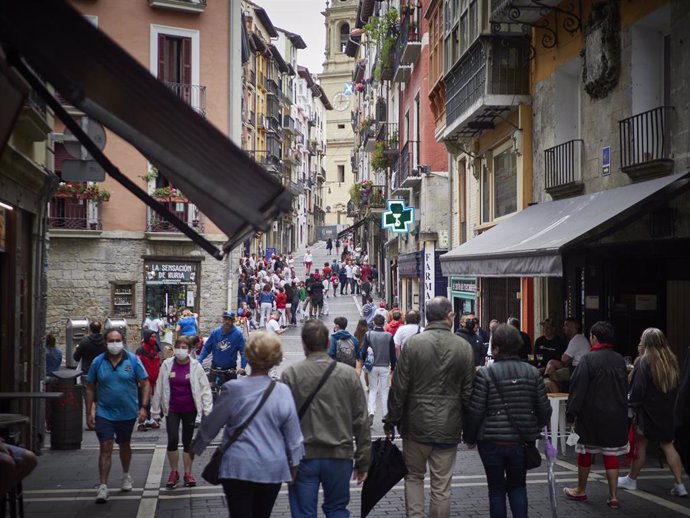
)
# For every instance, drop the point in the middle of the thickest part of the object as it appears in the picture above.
(506, 473)
(334, 475)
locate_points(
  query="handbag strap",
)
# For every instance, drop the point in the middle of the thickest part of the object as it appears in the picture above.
(307, 402)
(241, 428)
(500, 395)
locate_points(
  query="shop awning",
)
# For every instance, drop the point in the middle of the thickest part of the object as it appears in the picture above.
(531, 243)
(97, 76)
(352, 228)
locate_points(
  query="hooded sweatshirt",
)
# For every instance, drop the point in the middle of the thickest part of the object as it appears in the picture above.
(89, 347)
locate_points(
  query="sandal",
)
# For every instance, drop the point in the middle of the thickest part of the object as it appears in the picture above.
(571, 495)
(613, 503)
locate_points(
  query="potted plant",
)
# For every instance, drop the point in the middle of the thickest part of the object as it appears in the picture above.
(379, 160)
(82, 191)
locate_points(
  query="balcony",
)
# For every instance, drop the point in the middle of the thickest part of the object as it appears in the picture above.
(375, 199)
(645, 141)
(262, 81)
(186, 211)
(407, 46)
(193, 95)
(367, 136)
(387, 132)
(490, 80)
(409, 174)
(295, 188)
(189, 6)
(31, 121)
(289, 124)
(252, 119)
(563, 169)
(68, 213)
(252, 77)
(273, 88)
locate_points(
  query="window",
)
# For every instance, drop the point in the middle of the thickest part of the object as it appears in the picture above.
(505, 183)
(341, 173)
(341, 126)
(435, 56)
(499, 184)
(344, 36)
(175, 59)
(122, 299)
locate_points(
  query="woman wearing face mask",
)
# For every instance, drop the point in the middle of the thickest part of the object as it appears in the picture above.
(182, 392)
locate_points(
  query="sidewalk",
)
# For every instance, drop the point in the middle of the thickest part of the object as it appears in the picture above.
(63, 485)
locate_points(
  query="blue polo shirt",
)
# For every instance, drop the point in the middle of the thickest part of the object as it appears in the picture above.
(118, 399)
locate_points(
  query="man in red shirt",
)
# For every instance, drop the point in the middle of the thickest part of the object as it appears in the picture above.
(281, 304)
(326, 270)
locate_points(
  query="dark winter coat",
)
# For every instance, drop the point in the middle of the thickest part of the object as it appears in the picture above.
(653, 408)
(478, 347)
(598, 400)
(524, 396)
(431, 384)
(89, 347)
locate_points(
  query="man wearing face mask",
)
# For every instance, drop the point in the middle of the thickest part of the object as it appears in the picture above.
(467, 331)
(225, 342)
(182, 392)
(116, 374)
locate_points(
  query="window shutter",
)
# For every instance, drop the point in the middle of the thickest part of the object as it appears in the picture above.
(186, 61)
(162, 47)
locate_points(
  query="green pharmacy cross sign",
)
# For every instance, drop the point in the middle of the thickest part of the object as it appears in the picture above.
(397, 218)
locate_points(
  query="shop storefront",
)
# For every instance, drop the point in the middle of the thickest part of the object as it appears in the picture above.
(171, 284)
(462, 292)
(410, 273)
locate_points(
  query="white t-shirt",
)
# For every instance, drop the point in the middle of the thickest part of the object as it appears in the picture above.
(348, 271)
(273, 326)
(404, 333)
(307, 258)
(577, 348)
(154, 325)
(383, 312)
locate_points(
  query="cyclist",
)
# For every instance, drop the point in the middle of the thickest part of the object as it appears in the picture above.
(225, 342)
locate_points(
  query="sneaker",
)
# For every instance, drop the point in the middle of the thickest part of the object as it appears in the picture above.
(172, 480)
(142, 428)
(102, 494)
(127, 483)
(679, 490)
(189, 480)
(627, 483)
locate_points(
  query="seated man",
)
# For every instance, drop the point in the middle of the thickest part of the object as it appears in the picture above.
(15, 465)
(549, 346)
(559, 372)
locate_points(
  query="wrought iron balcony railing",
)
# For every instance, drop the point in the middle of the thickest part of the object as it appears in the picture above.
(407, 45)
(563, 168)
(186, 211)
(387, 133)
(191, 6)
(70, 214)
(645, 141)
(194, 95)
(490, 78)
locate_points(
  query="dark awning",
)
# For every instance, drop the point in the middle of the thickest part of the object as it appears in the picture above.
(531, 243)
(96, 75)
(352, 228)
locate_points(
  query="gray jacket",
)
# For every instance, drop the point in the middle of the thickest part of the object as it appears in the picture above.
(524, 396)
(381, 342)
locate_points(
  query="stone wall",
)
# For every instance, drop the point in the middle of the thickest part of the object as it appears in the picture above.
(80, 271)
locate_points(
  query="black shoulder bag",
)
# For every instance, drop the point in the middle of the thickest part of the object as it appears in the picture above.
(212, 470)
(532, 455)
(307, 402)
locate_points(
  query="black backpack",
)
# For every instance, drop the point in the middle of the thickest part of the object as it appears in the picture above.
(345, 351)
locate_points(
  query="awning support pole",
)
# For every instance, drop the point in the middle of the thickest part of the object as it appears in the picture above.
(107, 165)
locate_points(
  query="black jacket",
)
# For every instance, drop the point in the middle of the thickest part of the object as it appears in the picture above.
(478, 347)
(89, 347)
(524, 396)
(653, 408)
(598, 400)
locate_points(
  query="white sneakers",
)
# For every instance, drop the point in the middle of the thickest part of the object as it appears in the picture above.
(102, 494)
(127, 482)
(631, 485)
(679, 490)
(627, 483)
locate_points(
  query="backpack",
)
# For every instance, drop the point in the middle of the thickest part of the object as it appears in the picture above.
(345, 351)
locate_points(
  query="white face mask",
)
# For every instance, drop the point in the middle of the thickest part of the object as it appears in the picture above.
(181, 354)
(115, 347)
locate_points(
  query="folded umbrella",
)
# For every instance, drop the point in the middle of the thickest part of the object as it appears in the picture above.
(386, 470)
(551, 454)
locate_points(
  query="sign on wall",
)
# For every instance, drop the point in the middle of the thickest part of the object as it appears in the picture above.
(170, 273)
(397, 218)
(429, 272)
(606, 161)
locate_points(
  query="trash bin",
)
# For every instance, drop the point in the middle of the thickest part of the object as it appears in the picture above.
(77, 328)
(67, 412)
(119, 324)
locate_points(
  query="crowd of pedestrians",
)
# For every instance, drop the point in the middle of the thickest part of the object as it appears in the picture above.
(437, 386)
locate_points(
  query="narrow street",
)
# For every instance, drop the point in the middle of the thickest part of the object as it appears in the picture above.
(64, 484)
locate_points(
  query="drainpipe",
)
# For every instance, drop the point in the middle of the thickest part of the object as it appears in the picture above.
(234, 108)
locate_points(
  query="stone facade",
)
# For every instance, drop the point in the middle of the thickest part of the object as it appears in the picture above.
(80, 272)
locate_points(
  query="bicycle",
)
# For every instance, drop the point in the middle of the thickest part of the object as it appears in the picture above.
(217, 377)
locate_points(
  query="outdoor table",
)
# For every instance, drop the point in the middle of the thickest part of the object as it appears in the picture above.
(14, 497)
(557, 429)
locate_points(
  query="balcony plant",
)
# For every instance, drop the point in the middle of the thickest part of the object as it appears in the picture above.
(150, 175)
(360, 191)
(82, 191)
(379, 160)
(168, 193)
